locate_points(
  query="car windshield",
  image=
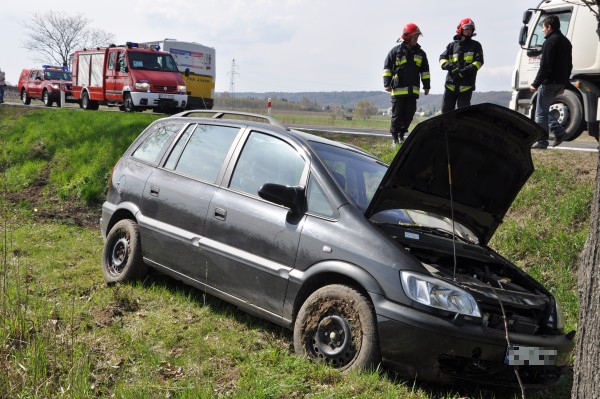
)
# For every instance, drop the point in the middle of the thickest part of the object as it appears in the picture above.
(57, 75)
(152, 61)
(359, 175)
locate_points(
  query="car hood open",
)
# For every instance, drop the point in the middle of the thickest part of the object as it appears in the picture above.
(484, 148)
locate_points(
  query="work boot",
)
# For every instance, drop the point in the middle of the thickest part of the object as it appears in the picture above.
(395, 143)
(559, 138)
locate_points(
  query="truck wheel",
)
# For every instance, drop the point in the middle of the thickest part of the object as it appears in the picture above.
(128, 104)
(88, 104)
(24, 97)
(122, 255)
(46, 99)
(336, 324)
(567, 109)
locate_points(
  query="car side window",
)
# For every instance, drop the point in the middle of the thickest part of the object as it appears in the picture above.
(317, 200)
(266, 159)
(203, 151)
(152, 146)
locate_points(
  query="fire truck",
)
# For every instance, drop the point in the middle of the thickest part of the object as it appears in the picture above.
(577, 108)
(132, 77)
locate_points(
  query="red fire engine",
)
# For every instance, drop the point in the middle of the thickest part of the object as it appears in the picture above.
(131, 77)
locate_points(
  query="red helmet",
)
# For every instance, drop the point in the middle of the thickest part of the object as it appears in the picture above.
(410, 30)
(468, 23)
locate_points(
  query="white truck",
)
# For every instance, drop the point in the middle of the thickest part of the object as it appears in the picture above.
(200, 62)
(577, 108)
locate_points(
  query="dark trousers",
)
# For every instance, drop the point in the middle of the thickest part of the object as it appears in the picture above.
(403, 111)
(454, 100)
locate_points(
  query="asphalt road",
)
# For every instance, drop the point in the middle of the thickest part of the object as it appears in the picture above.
(582, 143)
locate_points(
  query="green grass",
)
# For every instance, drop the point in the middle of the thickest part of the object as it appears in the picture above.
(65, 333)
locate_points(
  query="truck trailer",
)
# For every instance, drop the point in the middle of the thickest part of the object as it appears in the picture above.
(577, 108)
(199, 61)
(132, 77)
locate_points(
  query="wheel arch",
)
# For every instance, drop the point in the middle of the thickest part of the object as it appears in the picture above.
(327, 273)
(128, 211)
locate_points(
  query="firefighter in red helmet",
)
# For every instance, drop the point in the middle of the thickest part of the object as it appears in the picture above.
(463, 58)
(404, 69)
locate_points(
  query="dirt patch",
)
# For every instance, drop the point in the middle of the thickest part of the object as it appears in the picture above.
(47, 206)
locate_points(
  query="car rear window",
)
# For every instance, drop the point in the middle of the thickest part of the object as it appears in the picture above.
(151, 148)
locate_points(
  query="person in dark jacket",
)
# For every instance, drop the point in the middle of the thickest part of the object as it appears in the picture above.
(463, 58)
(404, 69)
(555, 70)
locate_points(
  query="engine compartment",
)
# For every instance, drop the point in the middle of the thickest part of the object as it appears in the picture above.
(499, 287)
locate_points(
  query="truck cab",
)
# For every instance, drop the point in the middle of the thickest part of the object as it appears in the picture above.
(577, 108)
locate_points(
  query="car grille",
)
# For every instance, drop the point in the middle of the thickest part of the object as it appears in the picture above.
(164, 89)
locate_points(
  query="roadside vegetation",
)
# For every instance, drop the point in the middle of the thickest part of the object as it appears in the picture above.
(65, 333)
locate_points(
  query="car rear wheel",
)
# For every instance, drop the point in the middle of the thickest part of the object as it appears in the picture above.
(336, 324)
(122, 255)
(46, 99)
(24, 97)
(88, 104)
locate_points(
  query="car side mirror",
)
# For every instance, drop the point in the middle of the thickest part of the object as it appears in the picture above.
(288, 196)
(187, 72)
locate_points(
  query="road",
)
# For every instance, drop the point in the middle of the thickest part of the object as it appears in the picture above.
(582, 143)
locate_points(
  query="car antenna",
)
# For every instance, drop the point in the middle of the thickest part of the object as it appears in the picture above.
(451, 202)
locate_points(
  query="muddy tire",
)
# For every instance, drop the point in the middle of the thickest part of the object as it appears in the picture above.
(24, 97)
(336, 324)
(122, 255)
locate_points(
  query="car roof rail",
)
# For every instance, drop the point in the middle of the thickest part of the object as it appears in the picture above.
(222, 114)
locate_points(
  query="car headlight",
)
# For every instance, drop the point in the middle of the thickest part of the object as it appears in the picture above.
(55, 86)
(436, 293)
(144, 86)
(181, 89)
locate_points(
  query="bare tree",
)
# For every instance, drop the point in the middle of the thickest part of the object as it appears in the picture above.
(586, 379)
(53, 36)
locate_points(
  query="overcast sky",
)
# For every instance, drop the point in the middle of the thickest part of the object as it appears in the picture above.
(290, 45)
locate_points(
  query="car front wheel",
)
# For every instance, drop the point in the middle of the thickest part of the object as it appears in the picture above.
(122, 256)
(336, 324)
(46, 99)
(25, 98)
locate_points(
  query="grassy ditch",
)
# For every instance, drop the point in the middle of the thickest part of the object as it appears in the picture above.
(64, 333)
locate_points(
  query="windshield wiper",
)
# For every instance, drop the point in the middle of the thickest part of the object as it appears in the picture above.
(438, 231)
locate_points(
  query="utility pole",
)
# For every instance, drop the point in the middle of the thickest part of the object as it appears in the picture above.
(232, 82)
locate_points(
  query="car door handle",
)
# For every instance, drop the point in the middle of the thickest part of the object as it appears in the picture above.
(220, 213)
(154, 190)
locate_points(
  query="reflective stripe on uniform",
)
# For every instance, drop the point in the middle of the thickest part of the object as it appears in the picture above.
(461, 89)
(399, 91)
(387, 72)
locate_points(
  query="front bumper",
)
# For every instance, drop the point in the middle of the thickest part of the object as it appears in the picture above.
(157, 100)
(430, 348)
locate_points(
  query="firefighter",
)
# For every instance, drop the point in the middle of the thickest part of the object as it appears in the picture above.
(405, 67)
(463, 58)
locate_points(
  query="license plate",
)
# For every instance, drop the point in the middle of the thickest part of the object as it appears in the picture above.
(518, 355)
(166, 96)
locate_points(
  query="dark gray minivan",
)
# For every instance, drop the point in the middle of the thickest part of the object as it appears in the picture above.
(366, 263)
